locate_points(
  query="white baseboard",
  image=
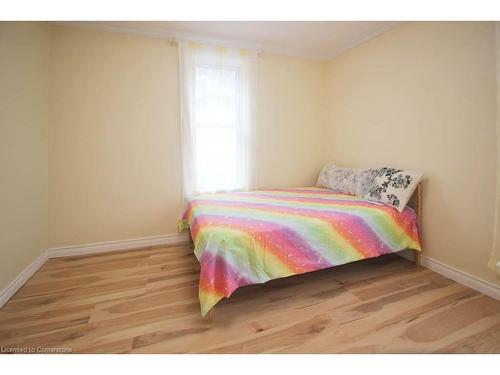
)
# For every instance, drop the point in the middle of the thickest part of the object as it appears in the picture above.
(96, 248)
(19, 281)
(104, 247)
(461, 277)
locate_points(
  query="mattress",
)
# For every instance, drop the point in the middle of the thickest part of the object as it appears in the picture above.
(245, 238)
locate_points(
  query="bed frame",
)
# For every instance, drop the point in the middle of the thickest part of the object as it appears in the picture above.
(415, 202)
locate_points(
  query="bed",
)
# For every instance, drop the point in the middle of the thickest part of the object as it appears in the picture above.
(245, 238)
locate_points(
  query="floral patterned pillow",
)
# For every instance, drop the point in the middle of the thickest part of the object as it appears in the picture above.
(347, 180)
(394, 187)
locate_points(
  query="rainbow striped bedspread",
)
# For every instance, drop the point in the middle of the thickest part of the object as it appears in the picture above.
(249, 238)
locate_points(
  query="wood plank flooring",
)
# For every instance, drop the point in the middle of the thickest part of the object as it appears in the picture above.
(146, 301)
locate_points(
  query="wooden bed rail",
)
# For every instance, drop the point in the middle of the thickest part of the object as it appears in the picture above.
(415, 202)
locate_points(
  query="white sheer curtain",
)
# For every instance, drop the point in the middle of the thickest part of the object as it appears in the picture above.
(217, 116)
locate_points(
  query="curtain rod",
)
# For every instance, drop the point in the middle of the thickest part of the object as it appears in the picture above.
(175, 42)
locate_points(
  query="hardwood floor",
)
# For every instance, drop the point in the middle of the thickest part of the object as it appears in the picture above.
(146, 301)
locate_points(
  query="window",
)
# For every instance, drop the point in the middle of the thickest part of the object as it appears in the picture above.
(216, 117)
(216, 122)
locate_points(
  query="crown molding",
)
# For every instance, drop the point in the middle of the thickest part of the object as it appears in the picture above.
(230, 43)
(364, 38)
(164, 34)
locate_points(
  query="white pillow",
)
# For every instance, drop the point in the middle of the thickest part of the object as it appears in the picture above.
(394, 187)
(346, 180)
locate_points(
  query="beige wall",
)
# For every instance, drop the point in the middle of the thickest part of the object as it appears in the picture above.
(24, 65)
(115, 168)
(291, 118)
(420, 96)
(423, 96)
(114, 157)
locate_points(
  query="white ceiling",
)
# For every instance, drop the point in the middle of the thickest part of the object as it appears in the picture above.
(318, 40)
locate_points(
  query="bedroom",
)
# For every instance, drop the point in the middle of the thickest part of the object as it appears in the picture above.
(113, 133)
